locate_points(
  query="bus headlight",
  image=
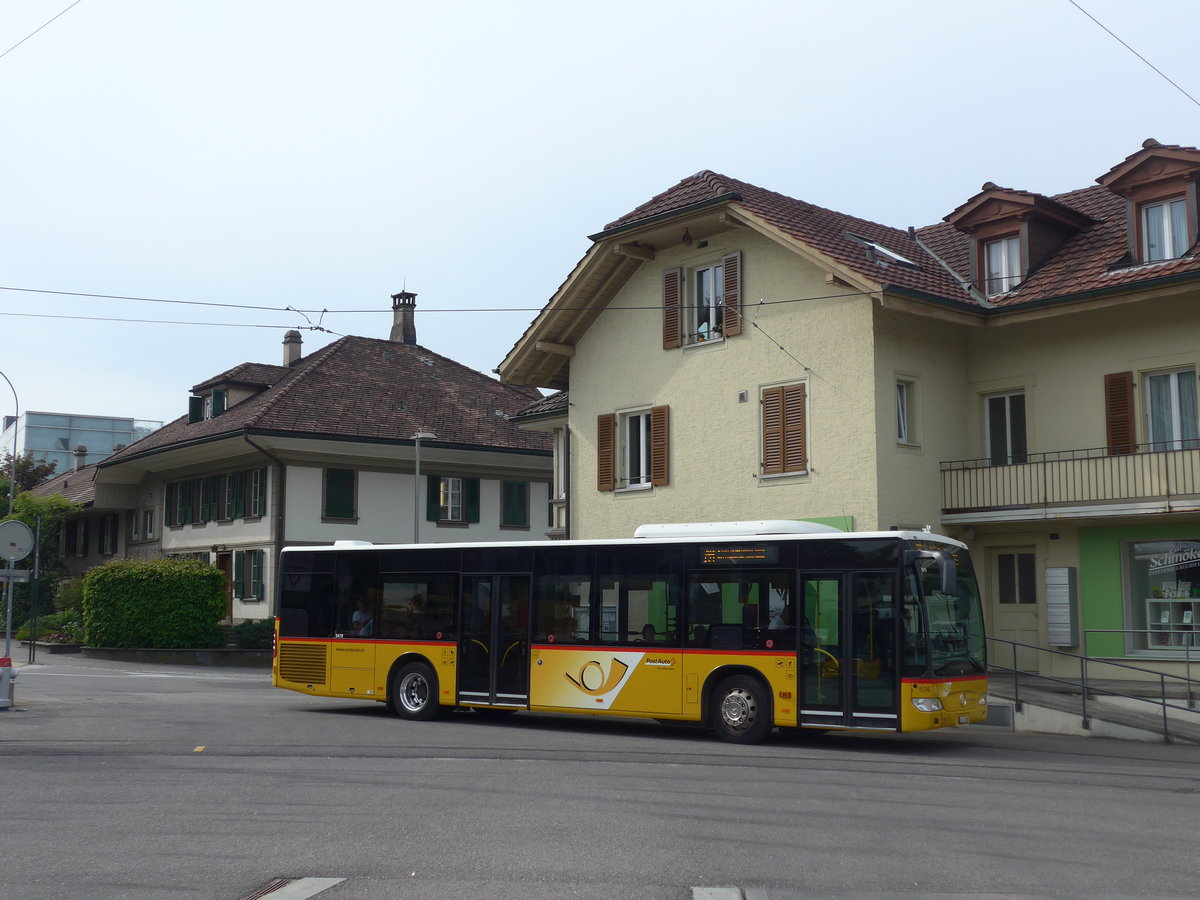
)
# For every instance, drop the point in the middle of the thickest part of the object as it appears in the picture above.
(927, 704)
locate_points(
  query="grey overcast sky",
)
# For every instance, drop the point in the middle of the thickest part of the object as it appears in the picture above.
(323, 154)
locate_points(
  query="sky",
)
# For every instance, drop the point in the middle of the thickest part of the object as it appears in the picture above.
(274, 164)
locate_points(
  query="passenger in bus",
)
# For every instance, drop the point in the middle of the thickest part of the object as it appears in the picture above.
(360, 620)
(649, 634)
(564, 631)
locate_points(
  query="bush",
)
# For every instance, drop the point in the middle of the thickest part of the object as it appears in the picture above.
(69, 594)
(160, 603)
(64, 627)
(257, 634)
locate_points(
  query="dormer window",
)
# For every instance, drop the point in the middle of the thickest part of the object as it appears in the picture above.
(1002, 265)
(1164, 229)
(209, 406)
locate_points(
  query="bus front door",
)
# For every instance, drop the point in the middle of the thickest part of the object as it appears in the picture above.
(847, 656)
(493, 644)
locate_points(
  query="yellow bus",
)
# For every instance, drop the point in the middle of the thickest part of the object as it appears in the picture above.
(741, 626)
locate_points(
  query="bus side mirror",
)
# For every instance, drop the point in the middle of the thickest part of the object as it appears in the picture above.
(947, 570)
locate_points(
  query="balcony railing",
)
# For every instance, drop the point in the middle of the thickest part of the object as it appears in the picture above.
(1163, 473)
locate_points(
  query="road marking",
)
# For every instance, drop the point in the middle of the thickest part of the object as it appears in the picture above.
(199, 749)
(300, 888)
(716, 893)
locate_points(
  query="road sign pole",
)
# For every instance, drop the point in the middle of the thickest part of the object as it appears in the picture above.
(7, 688)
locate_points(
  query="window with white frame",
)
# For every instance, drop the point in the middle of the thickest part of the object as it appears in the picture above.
(1002, 265)
(906, 398)
(148, 524)
(634, 469)
(450, 499)
(1171, 409)
(708, 304)
(135, 523)
(1164, 230)
(1005, 429)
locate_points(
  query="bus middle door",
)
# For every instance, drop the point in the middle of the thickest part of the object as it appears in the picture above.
(493, 648)
(848, 654)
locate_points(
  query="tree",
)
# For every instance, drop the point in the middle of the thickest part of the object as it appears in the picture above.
(53, 512)
(30, 473)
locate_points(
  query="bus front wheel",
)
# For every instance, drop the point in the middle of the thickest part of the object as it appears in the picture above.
(414, 692)
(741, 712)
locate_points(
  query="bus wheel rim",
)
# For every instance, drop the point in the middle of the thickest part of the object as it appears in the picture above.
(414, 692)
(737, 710)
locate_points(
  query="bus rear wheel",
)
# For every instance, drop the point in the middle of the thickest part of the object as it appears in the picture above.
(741, 712)
(414, 692)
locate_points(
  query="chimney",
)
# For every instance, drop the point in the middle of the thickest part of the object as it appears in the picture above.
(80, 457)
(404, 328)
(291, 347)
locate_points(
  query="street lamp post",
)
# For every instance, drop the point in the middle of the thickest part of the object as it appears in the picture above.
(6, 672)
(416, 439)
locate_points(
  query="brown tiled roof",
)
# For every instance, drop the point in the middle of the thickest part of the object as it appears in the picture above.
(558, 402)
(1092, 260)
(830, 232)
(249, 374)
(77, 485)
(368, 389)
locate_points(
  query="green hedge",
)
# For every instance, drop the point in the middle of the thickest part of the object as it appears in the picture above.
(160, 603)
(256, 634)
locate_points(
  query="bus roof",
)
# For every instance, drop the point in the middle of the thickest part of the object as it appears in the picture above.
(692, 533)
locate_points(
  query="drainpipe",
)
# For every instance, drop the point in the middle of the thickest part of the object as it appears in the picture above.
(567, 477)
(279, 510)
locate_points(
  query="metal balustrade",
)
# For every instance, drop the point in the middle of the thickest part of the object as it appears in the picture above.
(1097, 678)
(1064, 478)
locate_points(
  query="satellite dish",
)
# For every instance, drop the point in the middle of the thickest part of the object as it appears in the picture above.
(16, 540)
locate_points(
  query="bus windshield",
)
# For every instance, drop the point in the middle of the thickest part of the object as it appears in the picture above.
(956, 637)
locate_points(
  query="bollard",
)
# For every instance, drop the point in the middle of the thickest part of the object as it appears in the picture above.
(8, 681)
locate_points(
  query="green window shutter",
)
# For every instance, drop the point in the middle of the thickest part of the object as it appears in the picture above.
(195, 409)
(471, 489)
(169, 504)
(212, 490)
(239, 495)
(339, 493)
(239, 572)
(433, 498)
(262, 491)
(220, 399)
(256, 589)
(515, 509)
(187, 494)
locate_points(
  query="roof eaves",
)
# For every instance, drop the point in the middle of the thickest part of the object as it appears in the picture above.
(728, 197)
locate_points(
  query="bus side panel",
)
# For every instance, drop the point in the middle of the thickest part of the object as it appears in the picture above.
(963, 701)
(607, 679)
(302, 665)
(778, 670)
(440, 656)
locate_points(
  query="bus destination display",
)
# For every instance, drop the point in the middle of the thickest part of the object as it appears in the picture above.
(733, 554)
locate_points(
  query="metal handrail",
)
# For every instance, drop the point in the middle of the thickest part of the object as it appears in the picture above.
(1088, 688)
(1189, 640)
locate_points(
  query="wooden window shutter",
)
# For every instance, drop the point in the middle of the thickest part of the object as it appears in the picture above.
(195, 409)
(471, 501)
(732, 288)
(795, 455)
(1120, 425)
(660, 445)
(672, 309)
(783, 428)
(606, 452)
(239, 573)
(433, 498)
(219, 401)
(239, 494)
(257, 587)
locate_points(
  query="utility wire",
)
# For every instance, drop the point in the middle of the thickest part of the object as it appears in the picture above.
(1134, 52)
(36, 30)
(165, 322)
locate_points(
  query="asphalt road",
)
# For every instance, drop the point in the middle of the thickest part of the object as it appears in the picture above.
(144, 781)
